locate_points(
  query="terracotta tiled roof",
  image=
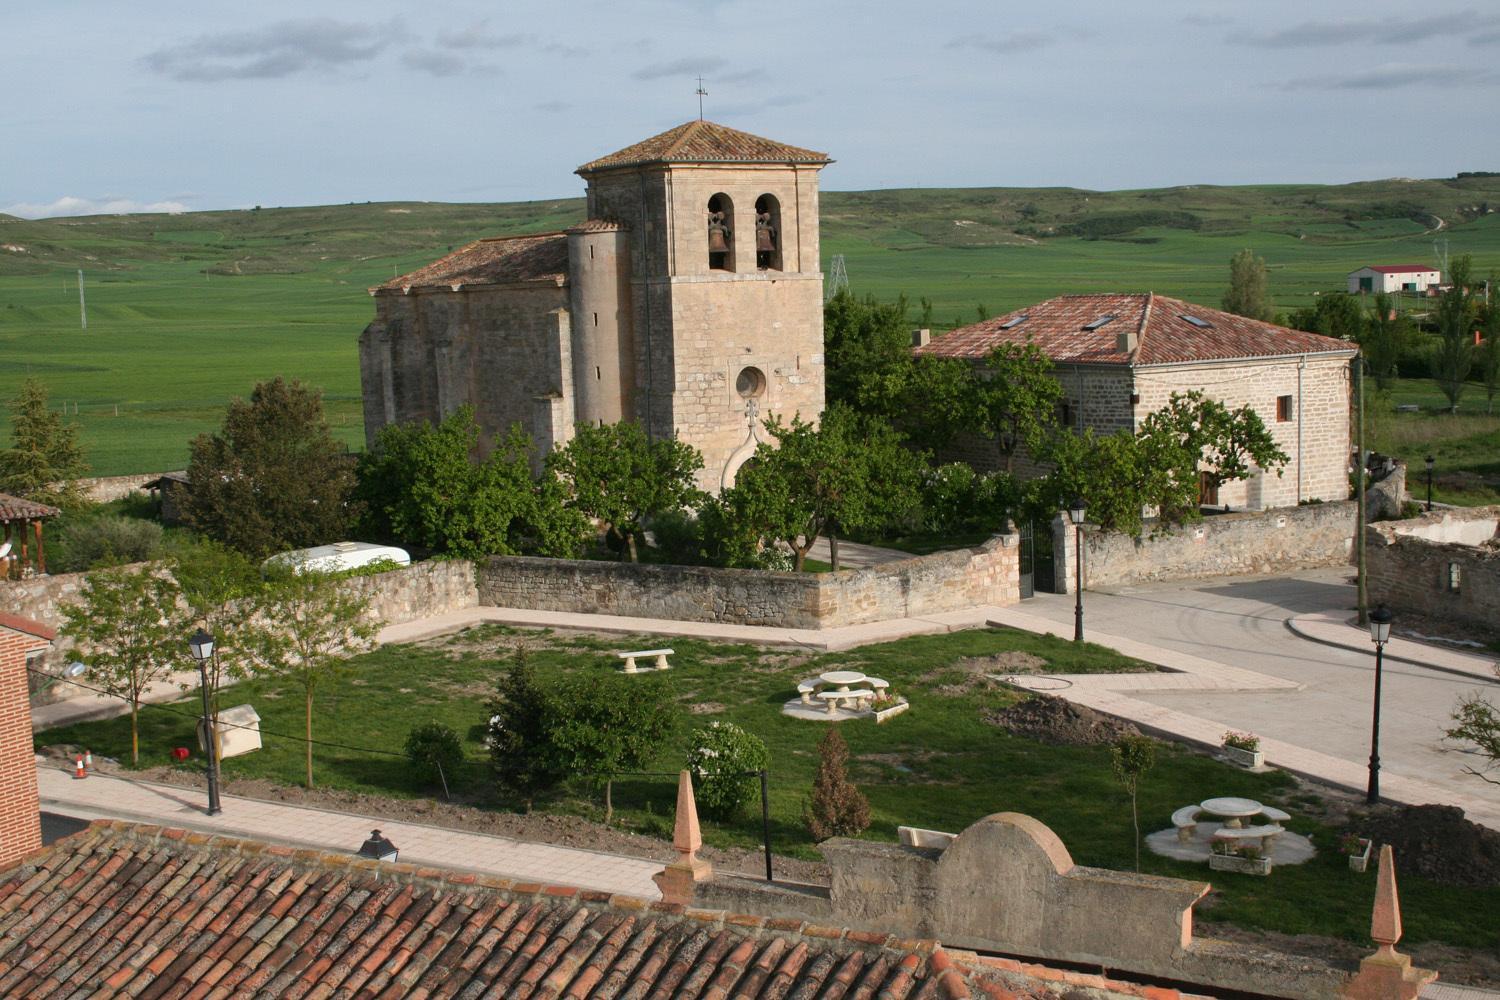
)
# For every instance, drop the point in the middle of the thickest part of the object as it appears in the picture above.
(495, 261)
(17, 509)
(141, 911)
(16, 623)
(705, 142)
(1163, 333)
(598, 226)
(1400, 268)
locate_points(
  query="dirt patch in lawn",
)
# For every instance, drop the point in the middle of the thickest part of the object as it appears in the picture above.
(706, 708)
(1058, 721)
(542, 828)
(1436, 842)
(1012, 661)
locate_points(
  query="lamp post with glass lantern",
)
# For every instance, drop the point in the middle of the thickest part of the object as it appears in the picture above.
(1380, 633)
(202, 645)
(1076, 514)
(1430, 461)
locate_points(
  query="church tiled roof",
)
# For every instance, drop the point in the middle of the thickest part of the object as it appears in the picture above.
(494, 261)
(705, 142)
(1085, 329)
(141, 911)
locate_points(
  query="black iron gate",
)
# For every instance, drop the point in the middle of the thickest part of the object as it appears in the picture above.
(1044, 577)
(1028, 563)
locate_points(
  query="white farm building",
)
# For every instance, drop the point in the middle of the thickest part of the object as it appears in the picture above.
(1394, 278)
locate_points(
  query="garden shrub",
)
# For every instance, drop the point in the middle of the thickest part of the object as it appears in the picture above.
(719, 758)
(100, 540)
(837, 809)
(523, 758)
(679, 537)
(435, 750)
(955, 498)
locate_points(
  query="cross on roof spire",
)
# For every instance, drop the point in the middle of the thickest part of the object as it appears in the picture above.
(701, 95)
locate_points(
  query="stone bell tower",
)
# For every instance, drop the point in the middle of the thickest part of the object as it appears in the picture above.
(696, 296)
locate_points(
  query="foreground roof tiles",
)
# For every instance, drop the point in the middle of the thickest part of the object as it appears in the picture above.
(141, 911)
(19, 509)
(494, 261)
(1165, 331)
(705, 142)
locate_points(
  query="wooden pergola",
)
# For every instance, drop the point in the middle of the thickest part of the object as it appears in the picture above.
(22, 542)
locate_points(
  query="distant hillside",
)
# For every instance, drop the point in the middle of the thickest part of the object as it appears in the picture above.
(293, 240)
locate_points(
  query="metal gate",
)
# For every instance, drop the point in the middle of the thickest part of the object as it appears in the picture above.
(1028, 563)
(1044, 578)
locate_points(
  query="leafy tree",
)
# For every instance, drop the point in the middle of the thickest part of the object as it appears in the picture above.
(1453, 355)
(1196, 433)
(1386, 336)
(1111, 472)
(420, 485)
(617, 474)
(938, 400)
(1477, 722)
(523, 758)
(837, 808)
(723, 759)
(1248, 294)
(312, 623)
(273, 478)
(602, 724)
(1130, 759)
(1016, 399)
(131, 634)
(867, 351)
(850, 473)
(44, 459)
(1337, 315)
(1488, 357)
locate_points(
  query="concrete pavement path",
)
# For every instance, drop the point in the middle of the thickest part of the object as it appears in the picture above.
(116, 797)
(1313, 706)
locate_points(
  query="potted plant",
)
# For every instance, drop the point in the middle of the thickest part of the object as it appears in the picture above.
(1247, 859)
(1357, 850)
(1243, 749)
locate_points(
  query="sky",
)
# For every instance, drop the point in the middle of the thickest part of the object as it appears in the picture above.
(167, 105)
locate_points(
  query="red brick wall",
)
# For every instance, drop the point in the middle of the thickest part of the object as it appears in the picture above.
(20, 821)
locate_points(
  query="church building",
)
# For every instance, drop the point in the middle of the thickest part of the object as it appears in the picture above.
(690, 300)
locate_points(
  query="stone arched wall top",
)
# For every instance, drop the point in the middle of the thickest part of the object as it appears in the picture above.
(1008, 840)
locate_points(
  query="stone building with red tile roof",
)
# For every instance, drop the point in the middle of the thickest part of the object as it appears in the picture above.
(689, 301)
(1120, 357)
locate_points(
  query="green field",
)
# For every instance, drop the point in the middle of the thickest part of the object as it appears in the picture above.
(187, 311)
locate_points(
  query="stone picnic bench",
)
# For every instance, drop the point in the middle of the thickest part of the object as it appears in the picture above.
(1186, 822)
(838, 689)
(659, 654)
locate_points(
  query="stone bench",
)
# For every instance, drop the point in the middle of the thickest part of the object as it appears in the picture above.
(1265, 834)
(877, 683)
(857, 699)
(660, 654)
(1275, 815)
(1186, 821)
(914, 836)
(806, 689)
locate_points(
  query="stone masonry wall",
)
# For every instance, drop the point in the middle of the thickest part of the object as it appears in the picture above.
(1411, 565)
(1219, 545)
(921, 585)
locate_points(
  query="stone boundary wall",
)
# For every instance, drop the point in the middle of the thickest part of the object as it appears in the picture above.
(102, 489)
(943, 581)
(1269, 541)
(1410, 565)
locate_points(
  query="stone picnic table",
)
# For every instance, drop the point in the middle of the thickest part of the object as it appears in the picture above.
(838, 687)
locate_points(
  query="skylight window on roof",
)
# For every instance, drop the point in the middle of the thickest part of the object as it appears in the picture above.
(1197, 321)
(1101, 321)
(1014, 322)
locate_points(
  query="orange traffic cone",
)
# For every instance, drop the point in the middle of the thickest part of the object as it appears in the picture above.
(78, 771)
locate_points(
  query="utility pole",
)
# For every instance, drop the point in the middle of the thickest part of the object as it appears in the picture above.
(1357, 370)
(83, 311)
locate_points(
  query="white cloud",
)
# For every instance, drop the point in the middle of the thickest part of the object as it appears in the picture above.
(310, 45)
(71, 205)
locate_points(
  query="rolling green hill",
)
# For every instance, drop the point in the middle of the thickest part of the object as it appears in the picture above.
(185, 311)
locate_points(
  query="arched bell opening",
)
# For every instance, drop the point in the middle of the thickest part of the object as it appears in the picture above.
(720, 233)
(768, 233)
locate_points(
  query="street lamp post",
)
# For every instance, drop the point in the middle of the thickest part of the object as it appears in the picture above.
(202, 645)
(1430, 461)
(1380, 633)
(1076, 514)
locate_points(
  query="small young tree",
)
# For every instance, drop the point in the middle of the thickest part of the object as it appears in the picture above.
(273, 478)
(44, 459)
(435, 751)
(608, 723)
(1131, 758)
(130, 634)
(723, 759)
(1477, 722)
(837, 809)
(1453, 355)
(312, 624)
(1248, 294)
(617, 474)
(523, 758)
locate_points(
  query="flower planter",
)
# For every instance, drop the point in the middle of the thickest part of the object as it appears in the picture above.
(1236, 863)
(1361, 861)
(884, 714)
(1245, 758)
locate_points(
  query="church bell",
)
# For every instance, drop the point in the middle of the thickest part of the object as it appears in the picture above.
(716, 241)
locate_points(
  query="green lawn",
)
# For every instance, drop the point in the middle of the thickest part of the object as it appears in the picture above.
(938, 766)
(1465, 446)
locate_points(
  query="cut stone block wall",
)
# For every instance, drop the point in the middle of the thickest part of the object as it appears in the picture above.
(1411, 565)
(1271, 541)
(943, 581)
